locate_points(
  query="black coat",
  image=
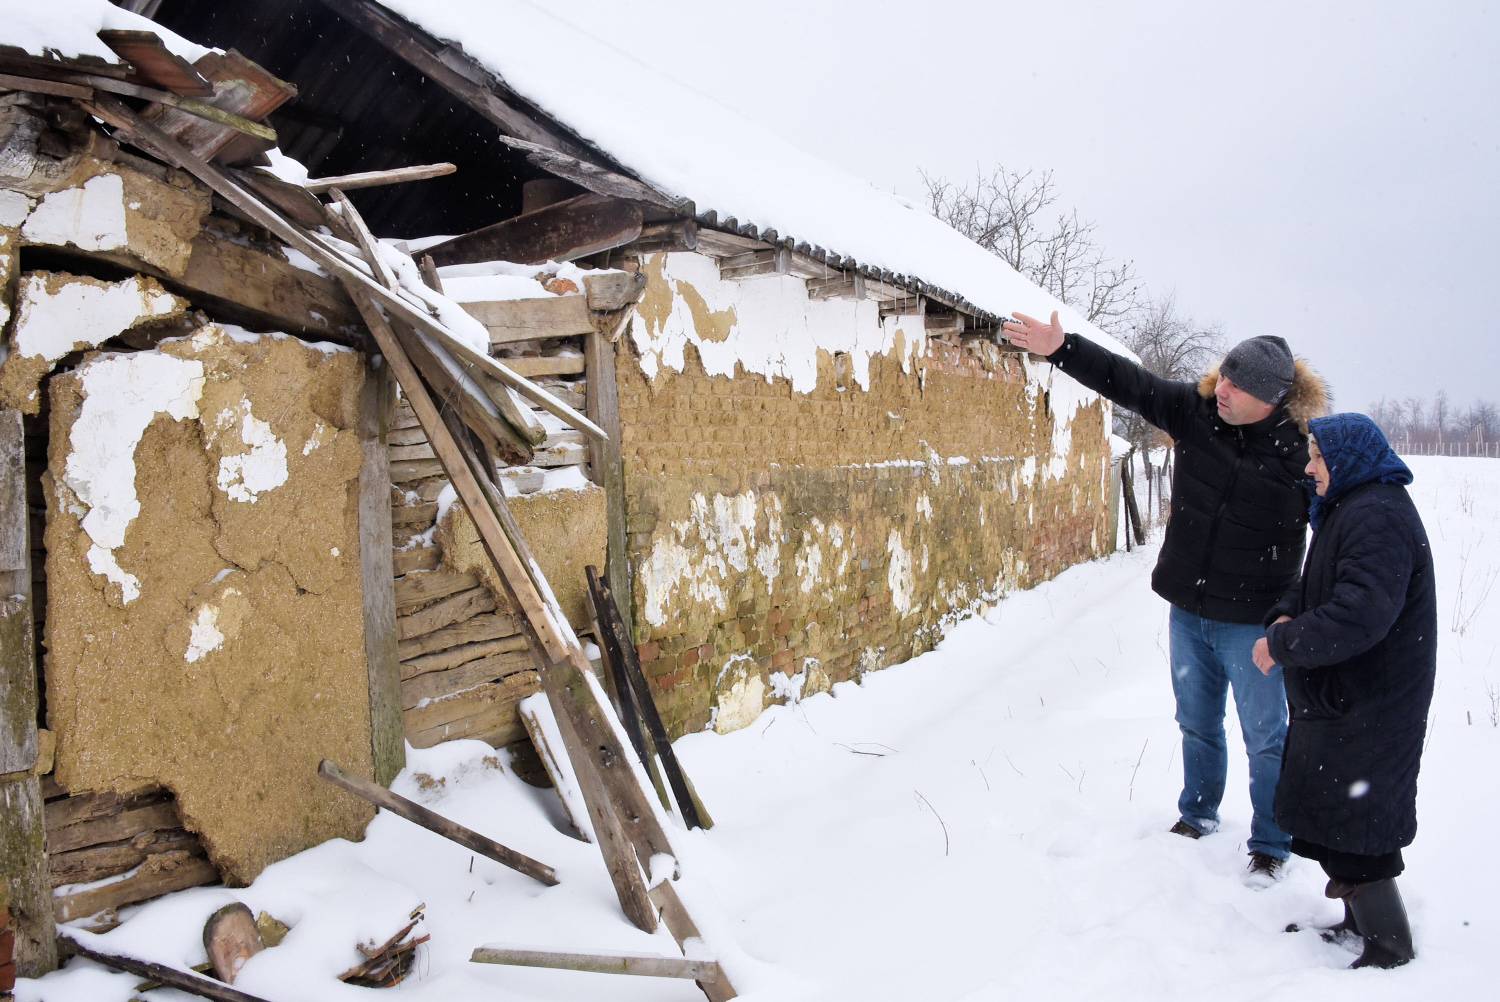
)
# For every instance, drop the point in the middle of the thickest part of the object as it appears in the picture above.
(1359, 658)
(1238, 525)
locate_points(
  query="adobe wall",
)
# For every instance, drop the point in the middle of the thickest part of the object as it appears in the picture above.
(801, 524)
(205, 608)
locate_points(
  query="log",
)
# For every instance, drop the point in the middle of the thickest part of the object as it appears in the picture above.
(434, 685)
(414, 514)
(161, 873)
(640, 964)
(418, 558)
(564, 231)
(437, 824)
(172, 977)
(429, 586)
(377, 178)
(451, 658)
(547, 365)
(230, 938)
(512, 320)
(95, 862)
(445, 612)
(496, 626)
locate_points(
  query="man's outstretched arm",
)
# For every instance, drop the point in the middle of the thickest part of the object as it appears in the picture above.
(1165, 403)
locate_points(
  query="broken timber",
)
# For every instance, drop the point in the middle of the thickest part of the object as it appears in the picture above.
(563, 231)
(627, 824)
(437, 824)
(641, 964)
(171, 977)
(377, 178)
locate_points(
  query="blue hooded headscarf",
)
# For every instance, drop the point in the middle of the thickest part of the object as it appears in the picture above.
(1357, 453)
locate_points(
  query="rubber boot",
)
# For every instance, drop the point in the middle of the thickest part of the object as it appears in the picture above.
(1381, 919)
(1336, 890)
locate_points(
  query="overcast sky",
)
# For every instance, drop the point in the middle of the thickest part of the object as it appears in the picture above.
(1323, 171)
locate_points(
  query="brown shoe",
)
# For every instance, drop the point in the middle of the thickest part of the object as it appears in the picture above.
(1185, 830)
(1263, 870)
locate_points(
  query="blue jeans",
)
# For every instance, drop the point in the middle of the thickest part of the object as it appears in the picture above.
(1209, 658)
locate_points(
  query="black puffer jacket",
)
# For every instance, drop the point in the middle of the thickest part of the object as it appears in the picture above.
(1239, 514)
(1359, 656)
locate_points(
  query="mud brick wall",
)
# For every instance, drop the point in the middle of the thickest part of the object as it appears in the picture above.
(782, 541)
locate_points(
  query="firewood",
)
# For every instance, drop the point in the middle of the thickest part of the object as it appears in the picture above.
(230, 937)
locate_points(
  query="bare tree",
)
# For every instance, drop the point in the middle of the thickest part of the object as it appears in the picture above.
(1170, 345)
(1005, 213)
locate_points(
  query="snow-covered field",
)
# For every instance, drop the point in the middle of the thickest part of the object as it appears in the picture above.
(985, 822)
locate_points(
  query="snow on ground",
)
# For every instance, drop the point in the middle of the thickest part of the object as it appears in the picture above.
(984, 822)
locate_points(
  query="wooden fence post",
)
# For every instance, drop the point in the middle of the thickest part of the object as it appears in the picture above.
(23, 855)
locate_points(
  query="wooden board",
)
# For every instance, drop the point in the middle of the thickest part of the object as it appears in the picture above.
(241, 87)
(512, 320)
(564, 231)
(547, 365)
(156, 65)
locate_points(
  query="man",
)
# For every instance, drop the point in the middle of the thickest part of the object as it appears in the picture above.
(1233, 547)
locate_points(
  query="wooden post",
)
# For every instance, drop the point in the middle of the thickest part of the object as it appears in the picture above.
(23, 856)
(602, 406)
(172, 977)
(387, 736)
(640, 964)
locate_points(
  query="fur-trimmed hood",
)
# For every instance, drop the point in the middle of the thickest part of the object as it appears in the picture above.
(1308, 399)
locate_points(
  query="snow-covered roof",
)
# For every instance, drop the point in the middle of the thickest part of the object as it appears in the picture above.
(69, 29)
(687, 144)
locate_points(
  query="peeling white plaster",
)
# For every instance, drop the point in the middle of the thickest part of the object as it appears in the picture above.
(90, 218)
(924, 506)
(899, 576)
(122, 395)
(246, 476)
(81, 314)
(698, 554)
(788, 688)
(14, 208)
(777, 330)
(740, 701)
(318, 437)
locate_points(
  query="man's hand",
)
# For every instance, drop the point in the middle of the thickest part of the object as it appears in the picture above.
(1261, 655)
(1033, 335)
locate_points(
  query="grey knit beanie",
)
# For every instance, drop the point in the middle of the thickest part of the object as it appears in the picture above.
(1262, 367)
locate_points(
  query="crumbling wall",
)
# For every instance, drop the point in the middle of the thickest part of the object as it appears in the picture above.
(204, 623)
(831, 512)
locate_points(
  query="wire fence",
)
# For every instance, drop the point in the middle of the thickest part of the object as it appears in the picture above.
(1457, 450)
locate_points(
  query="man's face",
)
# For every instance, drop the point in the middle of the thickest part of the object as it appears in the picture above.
(1238, 407)
(1317, 468)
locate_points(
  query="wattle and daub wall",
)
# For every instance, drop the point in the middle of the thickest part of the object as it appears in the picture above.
(814, 491)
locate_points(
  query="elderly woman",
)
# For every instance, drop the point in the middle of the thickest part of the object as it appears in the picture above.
(1357, 640)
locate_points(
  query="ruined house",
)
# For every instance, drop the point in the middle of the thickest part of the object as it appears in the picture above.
(244, 555)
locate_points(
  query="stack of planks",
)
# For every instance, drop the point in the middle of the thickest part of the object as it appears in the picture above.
(105, 851)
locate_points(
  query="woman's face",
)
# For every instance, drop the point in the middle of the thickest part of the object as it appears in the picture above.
(1316, 467)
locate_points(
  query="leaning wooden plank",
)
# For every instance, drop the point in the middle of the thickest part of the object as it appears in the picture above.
(191, 109)
(172, 977)
(387, 748)
(554, 635)
(512, 320)
(154, 63)
(121, 117)
(641, 964)
(241, 87)
(615, 626)
(541, 727)
(564, 231)
(437, 824)
(376, 178)
(510, 429)
(674, 915)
